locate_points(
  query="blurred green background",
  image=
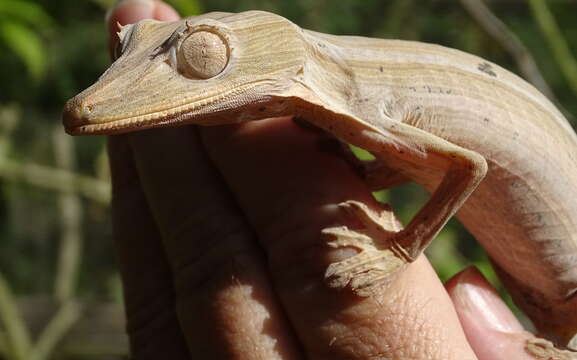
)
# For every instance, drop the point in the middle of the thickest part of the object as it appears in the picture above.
(60, 296)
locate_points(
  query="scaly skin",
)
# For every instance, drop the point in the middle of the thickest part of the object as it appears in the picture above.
(439, 116)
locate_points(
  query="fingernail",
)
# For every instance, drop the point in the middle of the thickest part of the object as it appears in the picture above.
(476, 299)
(139, 5)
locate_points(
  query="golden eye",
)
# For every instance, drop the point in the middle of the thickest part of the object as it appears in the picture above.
(202, 55)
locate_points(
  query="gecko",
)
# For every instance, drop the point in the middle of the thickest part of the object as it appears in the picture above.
(486, 144)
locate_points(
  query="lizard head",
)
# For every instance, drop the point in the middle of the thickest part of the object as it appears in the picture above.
(211, 69)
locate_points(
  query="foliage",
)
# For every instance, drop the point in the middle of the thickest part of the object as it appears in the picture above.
(22, 24)
(186, 7)
(51, 49)
(556, 41)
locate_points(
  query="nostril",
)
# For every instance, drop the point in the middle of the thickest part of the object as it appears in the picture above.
(76, 113)
(86, 110)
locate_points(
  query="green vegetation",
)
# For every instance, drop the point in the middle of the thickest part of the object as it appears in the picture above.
(56, 253)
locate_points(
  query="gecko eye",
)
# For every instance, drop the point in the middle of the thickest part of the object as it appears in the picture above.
(202, 55)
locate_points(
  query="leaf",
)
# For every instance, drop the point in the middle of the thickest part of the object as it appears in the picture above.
(556, 41)
(26, 12)
(186, 7)
(105, 4)
(361, 154)
(26, 45)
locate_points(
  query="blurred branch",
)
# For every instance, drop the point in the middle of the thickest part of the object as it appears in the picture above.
(56, 180)
(95, 329)
(497, 29)
(70, 219)
(60, 324)
(49, 178)
(17, 337)
(68, 256)
(556, 41)
(9, 117)
(97, 333)
(102, 167)
(509, 41)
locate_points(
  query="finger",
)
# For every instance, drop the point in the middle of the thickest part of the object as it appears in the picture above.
(223, 296)
(152, 324)
(491, 328)
(224, 302)
(287, 183)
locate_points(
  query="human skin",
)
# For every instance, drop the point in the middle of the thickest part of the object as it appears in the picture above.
(217, 233)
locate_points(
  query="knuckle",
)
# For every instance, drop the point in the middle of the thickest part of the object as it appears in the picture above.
(208, 246)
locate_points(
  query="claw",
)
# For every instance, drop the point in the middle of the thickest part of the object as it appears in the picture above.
(341, 236)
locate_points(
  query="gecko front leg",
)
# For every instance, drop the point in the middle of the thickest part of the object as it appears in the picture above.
(409, 147)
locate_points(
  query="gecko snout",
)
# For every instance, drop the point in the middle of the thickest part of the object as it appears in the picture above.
(76, 113)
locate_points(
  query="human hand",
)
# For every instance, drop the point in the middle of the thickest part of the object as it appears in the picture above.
(217, 231)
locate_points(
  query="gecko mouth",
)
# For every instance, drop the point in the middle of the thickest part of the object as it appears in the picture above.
(77, 117)
(124, 125)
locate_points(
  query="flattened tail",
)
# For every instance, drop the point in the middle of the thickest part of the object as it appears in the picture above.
(554, 319)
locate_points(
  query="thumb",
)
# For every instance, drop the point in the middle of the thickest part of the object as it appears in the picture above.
(492, 330)
(132, 11)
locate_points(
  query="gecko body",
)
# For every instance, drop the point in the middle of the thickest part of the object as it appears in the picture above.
(484, 142)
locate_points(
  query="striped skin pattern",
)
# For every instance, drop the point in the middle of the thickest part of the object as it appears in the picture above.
(480, 139)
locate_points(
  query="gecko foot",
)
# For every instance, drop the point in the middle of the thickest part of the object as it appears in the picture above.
(543, 349)
(379, 256)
